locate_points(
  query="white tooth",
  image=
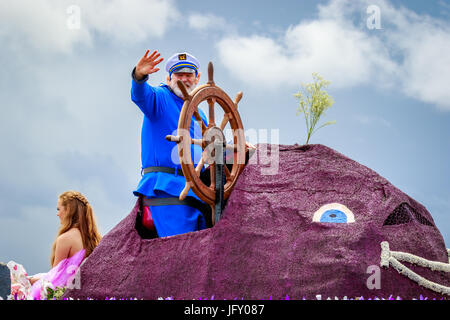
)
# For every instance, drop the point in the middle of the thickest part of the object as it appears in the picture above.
(385, 254)
(433, 265)
(392, 258)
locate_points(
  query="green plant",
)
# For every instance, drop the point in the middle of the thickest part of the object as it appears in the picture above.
(314, 100)
(55, 294)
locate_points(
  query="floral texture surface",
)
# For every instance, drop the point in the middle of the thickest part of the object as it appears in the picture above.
(313, 228)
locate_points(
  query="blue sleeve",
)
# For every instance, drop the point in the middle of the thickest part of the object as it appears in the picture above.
(203, 116)
(145, 97)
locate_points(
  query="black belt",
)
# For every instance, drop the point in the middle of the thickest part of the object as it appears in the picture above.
(174, 201)
(188, 201)
(175, 171)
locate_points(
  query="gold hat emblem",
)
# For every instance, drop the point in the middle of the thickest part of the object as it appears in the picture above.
(182, 56)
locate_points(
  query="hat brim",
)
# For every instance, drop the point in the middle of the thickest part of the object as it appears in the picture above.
(184, 70)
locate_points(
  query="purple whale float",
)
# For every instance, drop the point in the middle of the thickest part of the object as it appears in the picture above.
(322, 224)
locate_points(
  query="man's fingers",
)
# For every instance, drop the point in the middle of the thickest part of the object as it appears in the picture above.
(158, 61)
(153, 70)
(152, 56)
(152, 59)
(148, 62)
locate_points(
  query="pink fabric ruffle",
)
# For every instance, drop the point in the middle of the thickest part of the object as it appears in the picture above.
(62, 275)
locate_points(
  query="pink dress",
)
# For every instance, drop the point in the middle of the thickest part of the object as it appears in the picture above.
(64, 275)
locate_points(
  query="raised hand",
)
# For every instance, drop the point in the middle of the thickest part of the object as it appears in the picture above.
(147, 64)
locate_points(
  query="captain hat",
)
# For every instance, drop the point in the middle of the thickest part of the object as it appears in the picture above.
(182, 62)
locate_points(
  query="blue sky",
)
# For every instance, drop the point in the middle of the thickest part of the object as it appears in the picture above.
(68, 122)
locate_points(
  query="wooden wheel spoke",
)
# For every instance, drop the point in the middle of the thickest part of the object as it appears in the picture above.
(227, 173)
(212, 174)
(200, 164)
(211, 116)
(185, 191)
(237, 99)
(183, 90)
(198, 142)
(224, 122)
(200, 121)
(227, 117)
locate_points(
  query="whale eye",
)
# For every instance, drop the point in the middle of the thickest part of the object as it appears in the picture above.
(333, 213)
(333, 216)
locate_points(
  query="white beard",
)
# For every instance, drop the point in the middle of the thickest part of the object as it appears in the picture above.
(173, 85)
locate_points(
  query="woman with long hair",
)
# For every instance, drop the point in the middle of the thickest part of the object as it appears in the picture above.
(78, 229)
(76, 239)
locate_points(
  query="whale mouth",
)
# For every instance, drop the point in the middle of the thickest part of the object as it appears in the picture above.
(393, 258)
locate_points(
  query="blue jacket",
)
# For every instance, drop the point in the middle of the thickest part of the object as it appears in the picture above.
(161, 109)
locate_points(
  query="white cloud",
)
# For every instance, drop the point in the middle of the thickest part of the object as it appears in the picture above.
(341, 53)
(129, 21)
(371, 120)
(423, 44)
(58, 26)
(204, 22)
(427, 70)
(408, 54)
(250, 56)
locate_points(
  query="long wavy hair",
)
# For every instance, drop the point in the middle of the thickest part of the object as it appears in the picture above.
(79, 215)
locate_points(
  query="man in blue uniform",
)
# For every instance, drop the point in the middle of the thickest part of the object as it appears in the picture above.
(162, 180)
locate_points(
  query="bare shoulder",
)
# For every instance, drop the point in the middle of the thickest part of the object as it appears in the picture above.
(71, 237)
(67, 244)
